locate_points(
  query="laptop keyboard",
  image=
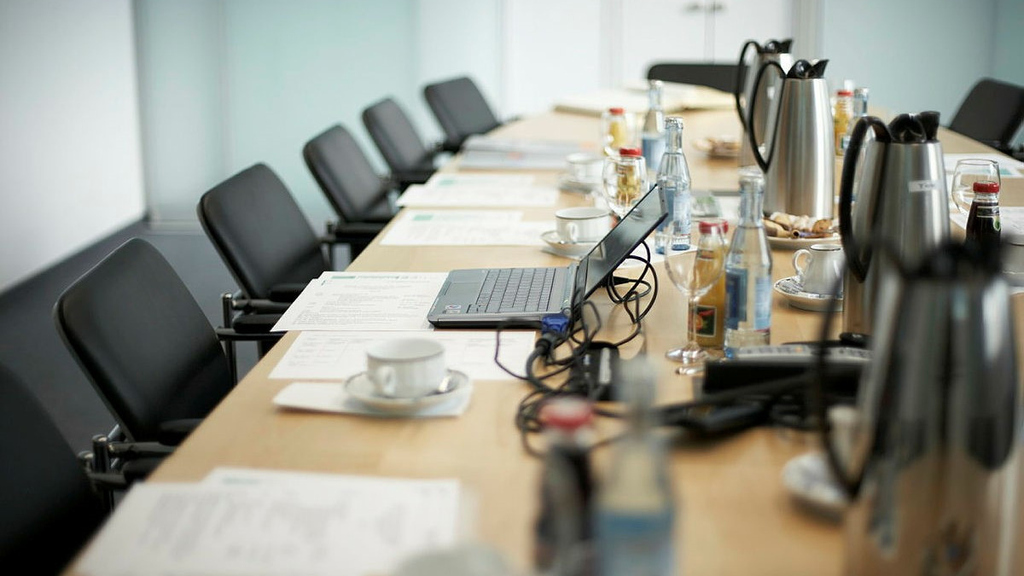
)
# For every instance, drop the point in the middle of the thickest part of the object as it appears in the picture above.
(515, 290)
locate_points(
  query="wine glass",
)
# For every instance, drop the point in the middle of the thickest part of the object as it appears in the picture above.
(694, 271)
(967, 172)
(625, 182)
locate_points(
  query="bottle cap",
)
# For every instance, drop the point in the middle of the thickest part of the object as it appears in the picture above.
(845, 93)
(566, 413)
(706, 226)
(987, 187)
(630, 152)
(617, 110)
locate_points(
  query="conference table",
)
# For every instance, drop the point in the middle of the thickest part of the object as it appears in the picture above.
(735, 516)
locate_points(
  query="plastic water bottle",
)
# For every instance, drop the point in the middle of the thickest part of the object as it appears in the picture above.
(674, 184)
(635, 510)
(748, 271)
(652, 135)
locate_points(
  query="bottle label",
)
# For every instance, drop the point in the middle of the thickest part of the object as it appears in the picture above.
(704, 321)
(735, 298)
(653, 147)
(763, 305)
(738, 309)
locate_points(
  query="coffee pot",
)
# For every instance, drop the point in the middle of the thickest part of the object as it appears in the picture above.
(893, 190)
(930, 461)
(746, 74)
(800, 165)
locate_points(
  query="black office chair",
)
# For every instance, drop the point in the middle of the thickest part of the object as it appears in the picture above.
(460, 109)
(264, 239)
(992, 113)
(719, 76)
(346, 177)
(145, 345)
(48, 507)
(410, 161)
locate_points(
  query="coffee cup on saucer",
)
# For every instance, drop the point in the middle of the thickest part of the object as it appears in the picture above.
(823, 269)
(581, 225)
(585, 168)
(406, 367)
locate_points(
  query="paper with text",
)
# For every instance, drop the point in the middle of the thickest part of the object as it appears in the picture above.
(364, 301)
(460, 196)
(273, 526)
(338, 355)
(465, 228)
(456, 180)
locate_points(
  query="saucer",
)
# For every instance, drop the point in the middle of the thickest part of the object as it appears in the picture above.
(788, 243)
(718, 147)
(791, 290)
(808, 479)
(567, 183)
(567, 249)
(361, 388)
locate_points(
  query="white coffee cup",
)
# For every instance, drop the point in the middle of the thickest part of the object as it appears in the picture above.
(405, 367)
(823, 268)
(581, 224)
(585, 167)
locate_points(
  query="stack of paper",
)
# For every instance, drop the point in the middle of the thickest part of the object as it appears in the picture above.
(462, 196)
(269, 523)
(485, 152)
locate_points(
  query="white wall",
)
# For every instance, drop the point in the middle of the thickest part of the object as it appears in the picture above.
(914, 55)
(70, 166)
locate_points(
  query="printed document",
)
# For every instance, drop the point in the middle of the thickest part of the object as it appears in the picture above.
(454, 179)
(460, 196)
(338, 355)
(364, 301)
(274, 523)
(464, 228)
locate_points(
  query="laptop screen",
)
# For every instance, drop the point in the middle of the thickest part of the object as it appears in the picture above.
(619, 243)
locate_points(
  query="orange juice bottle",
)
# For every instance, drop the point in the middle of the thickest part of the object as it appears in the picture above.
(709, 311)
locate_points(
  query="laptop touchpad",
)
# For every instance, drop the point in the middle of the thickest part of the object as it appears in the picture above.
(462, 291)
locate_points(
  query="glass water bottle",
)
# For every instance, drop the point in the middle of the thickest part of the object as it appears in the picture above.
(674, 184)
(748, 271)
(653, 133)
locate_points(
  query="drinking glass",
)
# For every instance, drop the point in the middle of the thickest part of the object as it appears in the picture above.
(625, 182)
(694, 272)
(967, 172)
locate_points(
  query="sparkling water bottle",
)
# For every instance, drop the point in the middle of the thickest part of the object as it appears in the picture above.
(748, 271)
(674, 184)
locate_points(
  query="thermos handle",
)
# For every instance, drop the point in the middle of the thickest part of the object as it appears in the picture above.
(750, 117)
(851, 245)
(738, 88)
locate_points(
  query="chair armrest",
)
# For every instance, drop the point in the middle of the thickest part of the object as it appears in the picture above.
(133, 450)
(244, 326)
(174, 432)
(286, 292)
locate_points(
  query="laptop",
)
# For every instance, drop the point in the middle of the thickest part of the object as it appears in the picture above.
(489, 297)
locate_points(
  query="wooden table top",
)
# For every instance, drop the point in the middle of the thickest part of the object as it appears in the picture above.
(735, 516)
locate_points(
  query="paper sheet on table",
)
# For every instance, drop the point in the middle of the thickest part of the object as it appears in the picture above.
(464, 228)
(461, 196)
(554, 148)
(331, 397)
(338, 355)
(1008, 167)
(502, 160)
(454, 179)
(280, 526)
(364, 301)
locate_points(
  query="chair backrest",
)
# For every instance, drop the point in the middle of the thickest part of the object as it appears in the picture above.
(344, 173)
(720, 76)
(396, 138)
(260, 232)
(992, 113)
(143, 341)
(460, 109)
(47, 507)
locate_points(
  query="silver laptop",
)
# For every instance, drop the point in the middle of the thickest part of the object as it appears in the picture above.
(489, 297)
